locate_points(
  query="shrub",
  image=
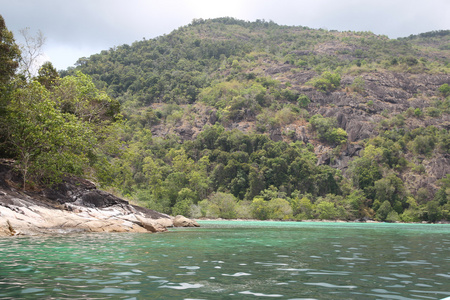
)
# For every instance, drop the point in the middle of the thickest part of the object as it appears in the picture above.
(444, 90)
(327, 130)
(392, 216)
(326, 210)
(418, 112)
(433, 112)
(279, 209)
(384, 210)
(359, 85)
(226, 204)
(303, 101)
(259, 209)
(327, 82)
(182, 208)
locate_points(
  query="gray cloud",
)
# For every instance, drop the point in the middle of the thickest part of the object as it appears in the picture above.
(84, 27)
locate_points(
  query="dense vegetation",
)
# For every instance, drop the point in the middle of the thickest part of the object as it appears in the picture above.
(234, 119)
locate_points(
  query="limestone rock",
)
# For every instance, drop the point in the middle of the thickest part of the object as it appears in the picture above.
(180, 221)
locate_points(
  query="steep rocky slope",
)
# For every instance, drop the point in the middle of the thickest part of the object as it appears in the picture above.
(247, 108)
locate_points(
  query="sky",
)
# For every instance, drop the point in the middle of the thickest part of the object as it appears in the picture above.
(80, 28)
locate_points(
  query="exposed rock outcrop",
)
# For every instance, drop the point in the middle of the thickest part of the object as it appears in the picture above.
(75, 205)
(180, 221)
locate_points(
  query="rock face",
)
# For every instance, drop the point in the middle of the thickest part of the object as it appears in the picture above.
(180, 221)
(75, 205)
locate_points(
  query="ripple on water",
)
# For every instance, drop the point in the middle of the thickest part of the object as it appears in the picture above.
(238, 274)
(333, 286)
(261, 294)
(182, 286)
(189, 267)
(110, 290)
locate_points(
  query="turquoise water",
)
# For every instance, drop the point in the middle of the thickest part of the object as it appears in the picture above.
(233, 260)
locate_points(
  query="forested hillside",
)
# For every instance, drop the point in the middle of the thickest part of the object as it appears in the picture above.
(234, 119)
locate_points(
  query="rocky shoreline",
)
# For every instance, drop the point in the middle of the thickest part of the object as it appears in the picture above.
(74, 205)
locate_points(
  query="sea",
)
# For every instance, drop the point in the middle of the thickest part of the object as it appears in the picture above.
(233, 260)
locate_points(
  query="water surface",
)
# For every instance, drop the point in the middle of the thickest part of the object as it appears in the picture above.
(233, 260)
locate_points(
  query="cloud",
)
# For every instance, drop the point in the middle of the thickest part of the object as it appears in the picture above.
(84, 27)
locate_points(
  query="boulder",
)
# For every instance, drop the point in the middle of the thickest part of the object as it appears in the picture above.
(180, 221)
(151, 225)
(166, 222)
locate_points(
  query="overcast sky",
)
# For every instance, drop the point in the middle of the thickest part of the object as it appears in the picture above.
(77, 28)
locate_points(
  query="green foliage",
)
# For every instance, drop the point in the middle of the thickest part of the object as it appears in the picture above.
(384, 211)
(226, 204)
(326, 210)
(444, 90)
(303, 101)
(302, 208)
(365, 172)
(327, 130)
(9, 54)
(359, 85)
(226, 71)
(47, 75)
(327, 82)
(279, 209)
(47, 141)
(260, 209)
(418, 112)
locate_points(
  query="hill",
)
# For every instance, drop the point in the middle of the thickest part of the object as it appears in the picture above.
(228, 118)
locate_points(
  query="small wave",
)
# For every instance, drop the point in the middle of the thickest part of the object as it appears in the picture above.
(237, 274)
(183, 286)
(270, 264)
(326, 272)
(260, 294)
(414, 262)
(32, 290)
(112, 291)
(190, 267)
(352, 258)
(334, 286)
(293, 270)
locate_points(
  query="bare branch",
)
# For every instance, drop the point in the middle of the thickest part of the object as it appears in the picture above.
(31, 52)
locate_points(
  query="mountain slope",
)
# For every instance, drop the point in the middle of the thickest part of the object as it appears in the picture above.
(255, 109)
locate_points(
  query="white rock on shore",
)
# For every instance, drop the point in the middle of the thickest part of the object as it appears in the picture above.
(74, 205)
(33, 220)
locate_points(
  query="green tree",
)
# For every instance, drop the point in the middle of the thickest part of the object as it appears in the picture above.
(391, 188)
(226, 204)
(364, 173)
(184, 201)
(326, 210)
(327, 129)
(79, 96)
(433, 212)
(47, 75)
(46, 141)
(302, 208)
(9, 54)
(259, 209)
(279, 209)
(384, 210)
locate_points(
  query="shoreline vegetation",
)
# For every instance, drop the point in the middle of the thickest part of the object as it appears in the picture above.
(321, 221)
(225, 118)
